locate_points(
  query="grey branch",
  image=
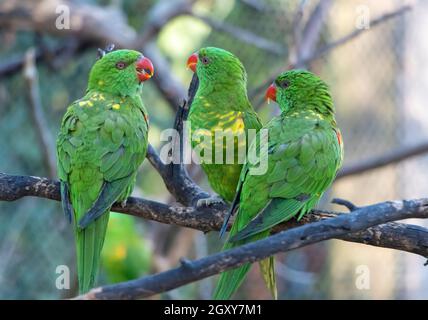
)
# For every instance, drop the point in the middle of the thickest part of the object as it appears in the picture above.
(191, 271)
(357, 32)
(329, 47)
(96, 28)
(383, 160)
(243, 35)
(159, 15)
(259, 5)
(96, 25)
(312, 30)
(165, 80)
(399, 236)
(369, 225)
(37, 113)
(297, 30)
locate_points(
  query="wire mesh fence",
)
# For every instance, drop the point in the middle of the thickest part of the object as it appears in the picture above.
(379, 86)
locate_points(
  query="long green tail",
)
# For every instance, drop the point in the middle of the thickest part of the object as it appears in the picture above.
(231, 280)
(89, 243)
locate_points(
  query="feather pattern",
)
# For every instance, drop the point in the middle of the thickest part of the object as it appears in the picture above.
(304, 155)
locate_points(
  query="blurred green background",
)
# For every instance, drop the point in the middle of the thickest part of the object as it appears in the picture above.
(378, 80)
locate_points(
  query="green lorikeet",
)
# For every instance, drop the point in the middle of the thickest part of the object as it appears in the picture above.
(304, 151)
(221, 105)
(101, 144)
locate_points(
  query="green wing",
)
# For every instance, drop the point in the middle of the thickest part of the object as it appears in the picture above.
(252, 121)
(300, 169)
(110, 144)
(236, 119)
(99, 150)
(304, 156)
(109, 194)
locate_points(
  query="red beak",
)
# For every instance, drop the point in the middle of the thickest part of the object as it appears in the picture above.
(192, 62)
(271, 93)
(144, 68)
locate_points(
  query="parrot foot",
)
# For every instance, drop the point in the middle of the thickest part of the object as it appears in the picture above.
(208, 202)
(186, 263)
(123, 203)
(346, 203)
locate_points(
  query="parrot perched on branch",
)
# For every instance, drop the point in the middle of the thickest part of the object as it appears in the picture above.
(304, 150)
(101, 144)
(221, 104)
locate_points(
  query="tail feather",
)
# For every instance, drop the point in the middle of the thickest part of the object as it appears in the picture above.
(230, 281)
(267, 267)
(89, 243)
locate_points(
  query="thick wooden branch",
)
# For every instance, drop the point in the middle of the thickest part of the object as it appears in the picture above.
(97, 26)
(178, 183)
(90, 22)
(368, 225)
(191, 271)
(399, 236)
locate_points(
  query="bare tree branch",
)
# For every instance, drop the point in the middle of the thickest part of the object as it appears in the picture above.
(191, 271)
(16, 62)
(357, 32)
(100, 25)
(37, 113)
(165, 80)
(243, 35)
(329, 47)
(179, 184)
(312, 30)
(391, 235)
(96, 24)
(296, 31)
(383, 160)
(258, 5)
(160, 14)
(369, 225)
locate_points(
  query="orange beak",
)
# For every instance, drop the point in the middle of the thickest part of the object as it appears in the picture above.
(271, 93)
(144, 68)
(192, 62)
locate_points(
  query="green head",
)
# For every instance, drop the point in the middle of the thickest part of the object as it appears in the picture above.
(120, 72)
(217, 66)
(301, 89)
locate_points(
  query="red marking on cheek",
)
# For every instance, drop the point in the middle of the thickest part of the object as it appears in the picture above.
(339, 137)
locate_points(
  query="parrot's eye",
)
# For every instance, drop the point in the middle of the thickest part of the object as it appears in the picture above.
(205, 60)
(121, 65)
(284, 84)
